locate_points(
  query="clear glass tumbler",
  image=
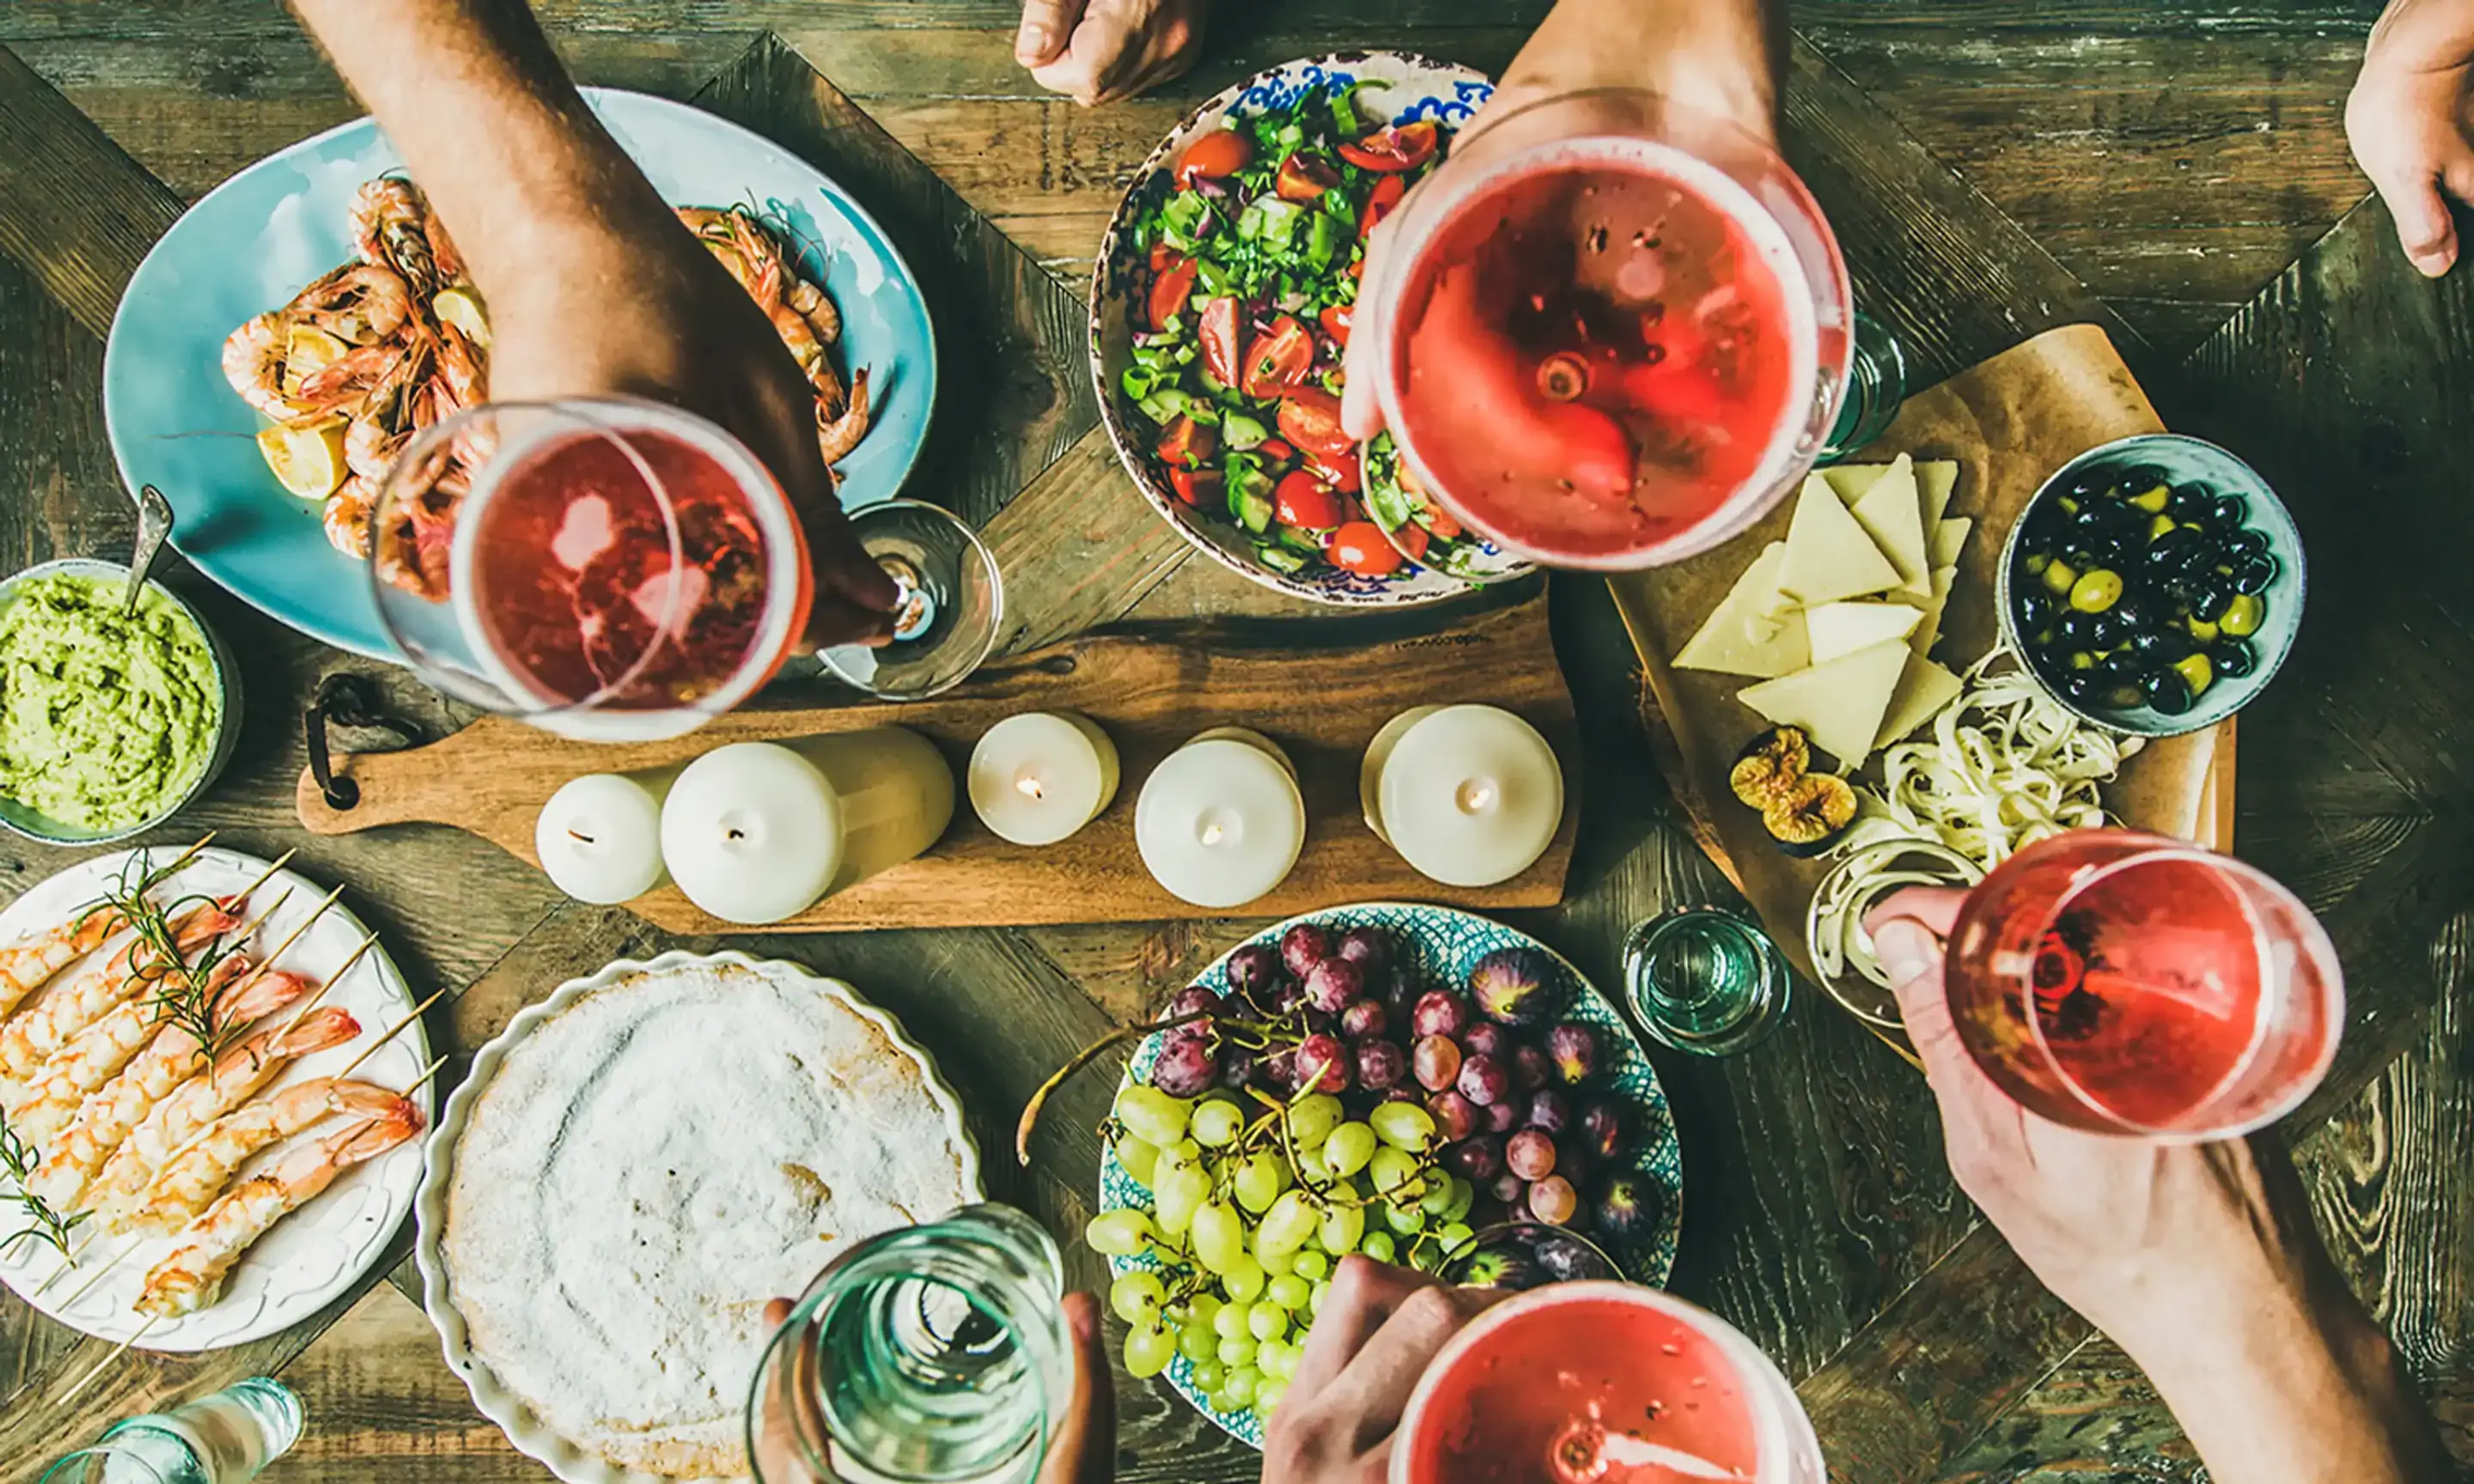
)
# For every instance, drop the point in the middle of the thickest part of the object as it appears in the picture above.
(227, 1438)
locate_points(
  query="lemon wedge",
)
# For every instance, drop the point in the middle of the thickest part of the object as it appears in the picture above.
(308, 460)
(307, 351)
(461, 307)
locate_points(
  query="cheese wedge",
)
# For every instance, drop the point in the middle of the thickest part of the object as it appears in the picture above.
(1839, 704)
(1828, 556)
(1838, 628)
(1947, 538)
(1852, 480)
(1929, 633)
(1935, 480)
(1922, 691)
(1890, 516)
(1737, 638)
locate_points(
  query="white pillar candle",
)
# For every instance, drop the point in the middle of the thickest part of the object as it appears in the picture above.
(758, 831)
(1369, 773)
(1037, 778)
(1469, 795)
(599, 837)
(1220, 821)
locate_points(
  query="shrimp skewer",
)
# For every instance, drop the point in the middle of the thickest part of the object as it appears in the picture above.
(193, 1275)
(105, 1166)
(27, 966)
(193, 1177)
(85, 999)
(95, 1055)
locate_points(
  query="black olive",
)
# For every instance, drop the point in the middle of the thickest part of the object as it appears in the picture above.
(2248, 543)
(2160, 645)
(2191, 502)
(2254, 574)
(2111, 631)
(2139, 478)
(2233, 658)
(2046, 525)
(2090, 519)
(2131, 608)
(2230, 511)
(2036, 609)
(2076, 629)
(2208, 601)
(2168, 691)
(2087, 483)
(2082, 686)
(2173, 551)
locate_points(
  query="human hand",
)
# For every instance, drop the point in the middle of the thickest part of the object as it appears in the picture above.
(2198, 1259)
(1099, 51)
(2409, 120)
(629, 303)
(1377, 1332)
(1083, 1450)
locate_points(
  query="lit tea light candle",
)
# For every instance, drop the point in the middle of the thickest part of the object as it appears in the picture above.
(759, 832)
(1037, 778)
(599, 837)
(1469, 795)
(1220, 821)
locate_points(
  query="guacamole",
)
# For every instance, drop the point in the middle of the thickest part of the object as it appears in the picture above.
(105, 721)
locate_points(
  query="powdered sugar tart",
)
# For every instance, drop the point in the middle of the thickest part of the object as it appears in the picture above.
(634, 1166)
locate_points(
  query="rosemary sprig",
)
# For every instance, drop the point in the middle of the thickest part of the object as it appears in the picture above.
(43, 1224)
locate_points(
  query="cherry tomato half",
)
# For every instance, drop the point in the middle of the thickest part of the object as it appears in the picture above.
(1305, 502)
(1359, 547)
(1342, 472)
(1220, 340)
(1204, 488)
(1278, 358)
(1388, 192)
(1411, 539)
(1185, 443)
(1173, 286)
(1275, 449)
(1223, 152)
(1394, 150)
(1310, 418)
(1304, 177)
(1335, 320)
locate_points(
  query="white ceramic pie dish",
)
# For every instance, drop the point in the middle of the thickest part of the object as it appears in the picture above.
(531, 1435)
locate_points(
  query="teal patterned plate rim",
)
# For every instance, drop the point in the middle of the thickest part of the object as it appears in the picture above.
(1445, 942)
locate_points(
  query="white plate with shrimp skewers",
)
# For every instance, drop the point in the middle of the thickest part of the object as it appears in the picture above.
(219, 1208)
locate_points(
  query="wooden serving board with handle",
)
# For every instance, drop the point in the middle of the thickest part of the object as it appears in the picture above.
(1320, 688)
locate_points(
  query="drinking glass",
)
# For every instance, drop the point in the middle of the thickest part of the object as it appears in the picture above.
(2128, 983)
(1589, 1380)
(1613, 255)
(608, 568)
(226, 1438)
(1703, 979)
(1877, 384)
(935, 1353)
(952, 601)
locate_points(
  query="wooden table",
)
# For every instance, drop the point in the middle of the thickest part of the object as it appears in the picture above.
(1994, 169)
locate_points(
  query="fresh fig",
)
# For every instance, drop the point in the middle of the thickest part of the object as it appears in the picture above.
(1606, 1129)
(1627, 1206)
(1575, 1047)
(1520, 986)
(1502, 1266)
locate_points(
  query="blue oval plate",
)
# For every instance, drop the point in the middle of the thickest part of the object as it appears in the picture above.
(255, 240)
(1444, 942)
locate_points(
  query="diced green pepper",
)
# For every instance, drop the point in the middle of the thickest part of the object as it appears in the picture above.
(1138, 382)
(1280, 559)
(1322, 236)
(1165, 404)
(1239, 431)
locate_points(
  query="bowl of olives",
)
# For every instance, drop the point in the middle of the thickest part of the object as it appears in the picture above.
(2153, 585)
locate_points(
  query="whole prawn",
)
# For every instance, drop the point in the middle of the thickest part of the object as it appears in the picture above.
(65, 1012)
(28, 965)
(360, 304)
(197, 1173)
(193, 1275)
(93, 1056)
(253, 363)
(394, 227)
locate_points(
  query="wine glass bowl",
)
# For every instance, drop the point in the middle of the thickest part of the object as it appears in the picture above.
(952, 601)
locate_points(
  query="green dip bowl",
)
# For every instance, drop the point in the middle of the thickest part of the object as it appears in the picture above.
(34, 826)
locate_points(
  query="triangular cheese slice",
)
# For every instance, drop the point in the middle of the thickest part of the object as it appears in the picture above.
(1828, 556)
(1838, 628)
(1922, 691)
(1737, 638)
(1852, 480)
(1890, 516)
(1839, 704)
(1929, 633)
(1948, 536)
(1935, 480)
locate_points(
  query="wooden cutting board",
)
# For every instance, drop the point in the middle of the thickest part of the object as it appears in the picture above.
(1320, 688)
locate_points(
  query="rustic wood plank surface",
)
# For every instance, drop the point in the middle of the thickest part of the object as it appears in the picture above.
(1994, 169)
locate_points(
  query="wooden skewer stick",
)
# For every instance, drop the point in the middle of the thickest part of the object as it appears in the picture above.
(99, 1274)
(311, 1002)
(106, 1362)
(1883, 1036)
(293, 937)
(155, 873)
(394, 1031)
(266, 876)
(68, 1265)
(422, 1079)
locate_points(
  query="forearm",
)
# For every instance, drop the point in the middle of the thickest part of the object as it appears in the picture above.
(2420, 36)
(489, 126)
(1721, 56)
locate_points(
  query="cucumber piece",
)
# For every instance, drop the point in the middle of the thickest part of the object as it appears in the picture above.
(1239, 431)
(1280, 559)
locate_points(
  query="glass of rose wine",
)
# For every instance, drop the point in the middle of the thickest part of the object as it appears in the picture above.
(1613, 331)
(608, 568)
(1603, 1383)
(2127, 983)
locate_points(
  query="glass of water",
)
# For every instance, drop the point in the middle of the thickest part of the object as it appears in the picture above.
(935, 1353)
(223, 1439)
(1704, 980)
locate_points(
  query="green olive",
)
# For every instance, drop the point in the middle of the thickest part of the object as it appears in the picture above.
(2153, 502)
(2058, 576)
(2203, 630)
(2242, 615)
(2196, 669)
(2035, 564)
(2160, 525)
(2096, 590)
(2082, 660)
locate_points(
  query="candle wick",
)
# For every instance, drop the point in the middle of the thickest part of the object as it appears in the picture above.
(1211, 834)
(1029, 787)
(735, 833)
(579, 836)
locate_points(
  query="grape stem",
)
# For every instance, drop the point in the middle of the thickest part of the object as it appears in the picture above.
(1081, 1059)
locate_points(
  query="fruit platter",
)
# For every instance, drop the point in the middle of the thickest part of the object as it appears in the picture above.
(1387, 1079)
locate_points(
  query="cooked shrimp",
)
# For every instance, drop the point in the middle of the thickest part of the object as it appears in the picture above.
(769, 281)
(254, 357)
(370, 447)
(358, 303)
(186, 1112)
(94, 1055)
(71, 1008)
(29, 964)
(195, 1175)
(193, 1275)
(394, 227)
(347, 514)
(415, 541)
(354, 382)
(835, 440)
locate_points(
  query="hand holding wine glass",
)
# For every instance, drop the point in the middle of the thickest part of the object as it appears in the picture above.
(1371, 1340)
